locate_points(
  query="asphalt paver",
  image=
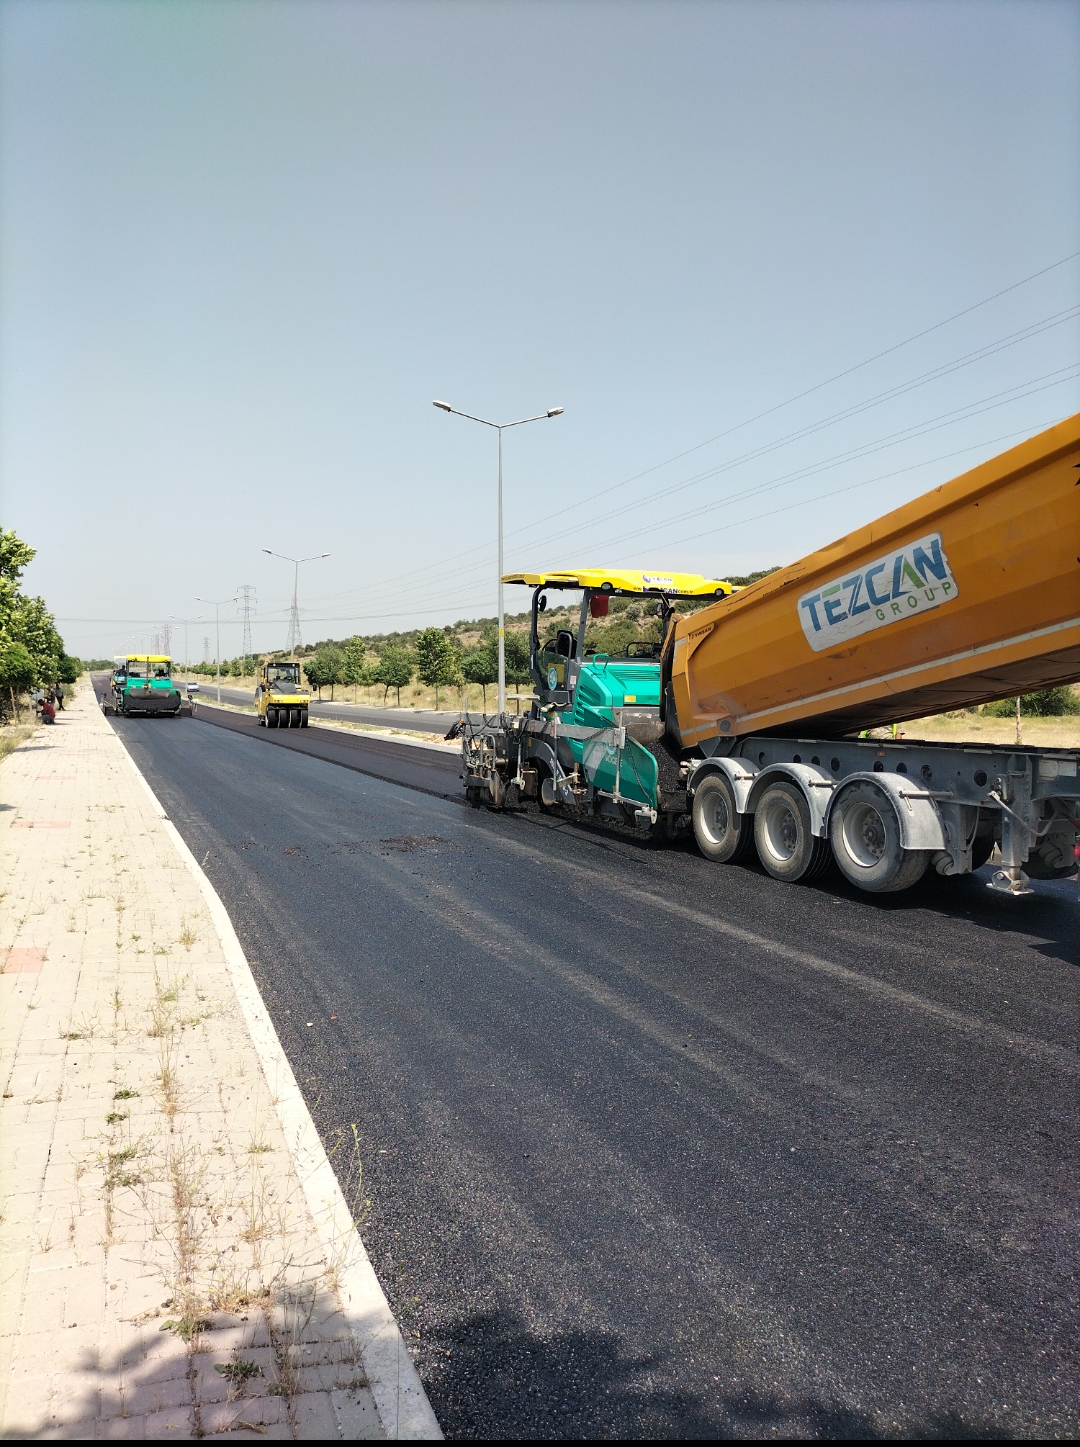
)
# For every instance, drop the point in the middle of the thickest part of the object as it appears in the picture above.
(653, 1147)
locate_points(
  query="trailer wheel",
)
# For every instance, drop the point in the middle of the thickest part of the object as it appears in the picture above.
(865, 836)
(722, 833)
(786, 845)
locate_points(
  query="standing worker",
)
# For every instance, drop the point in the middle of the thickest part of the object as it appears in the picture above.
(59, 691)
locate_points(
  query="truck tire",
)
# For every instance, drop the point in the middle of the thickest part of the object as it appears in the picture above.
(786, 845)
(1052, 859)
(865, 836)
(294, 722)
(722, 833)
(271, 718)
(303, 718)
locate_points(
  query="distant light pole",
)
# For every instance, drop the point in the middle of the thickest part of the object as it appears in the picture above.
(185, 622)
(294, 616)
(500, 427)
(217, 637)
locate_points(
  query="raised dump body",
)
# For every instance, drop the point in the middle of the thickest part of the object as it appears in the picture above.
(969, 593)
(746, 726)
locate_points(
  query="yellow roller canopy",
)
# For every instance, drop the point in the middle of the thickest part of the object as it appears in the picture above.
(628, 581)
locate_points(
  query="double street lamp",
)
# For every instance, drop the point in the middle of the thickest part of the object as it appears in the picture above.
(500, 427)
(217, 636)
(294, 615)
(185, 622)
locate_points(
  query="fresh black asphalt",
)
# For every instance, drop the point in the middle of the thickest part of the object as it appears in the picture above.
(653, 1147)
(420, 720)
(436, 770)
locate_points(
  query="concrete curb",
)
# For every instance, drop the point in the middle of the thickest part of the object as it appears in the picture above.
(399, 1394)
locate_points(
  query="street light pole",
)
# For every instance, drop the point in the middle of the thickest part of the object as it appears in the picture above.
(185, 622)
(217, 638)
(500, 428)
(294, 619)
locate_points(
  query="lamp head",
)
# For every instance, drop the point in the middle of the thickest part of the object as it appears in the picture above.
(554, 411)
(444, 405)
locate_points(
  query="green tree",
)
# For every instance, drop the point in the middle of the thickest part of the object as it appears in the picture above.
(69, 669)
(15, 555)
(1046, 703)
(355, 668)
(323, 668)
(17, 671)
(394, 670)
(516, 649)
(481, 665)
(437, 659)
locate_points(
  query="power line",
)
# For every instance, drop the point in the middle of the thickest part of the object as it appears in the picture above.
(865, 482)
(1011, 340)
(933, 424)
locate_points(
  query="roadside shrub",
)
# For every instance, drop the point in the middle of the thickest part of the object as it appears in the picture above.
(1046, 703)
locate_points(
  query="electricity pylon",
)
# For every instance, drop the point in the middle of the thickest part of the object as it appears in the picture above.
(246, 594)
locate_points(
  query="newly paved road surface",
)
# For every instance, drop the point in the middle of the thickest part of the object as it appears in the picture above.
(434, 768)
(422, 720)
(653, 1147)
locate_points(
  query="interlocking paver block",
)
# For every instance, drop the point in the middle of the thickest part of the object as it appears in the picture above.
(115, 1227)
(315, 1417)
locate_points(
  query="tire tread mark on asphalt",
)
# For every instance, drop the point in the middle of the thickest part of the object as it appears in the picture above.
(486, 931)
(1041, 1050)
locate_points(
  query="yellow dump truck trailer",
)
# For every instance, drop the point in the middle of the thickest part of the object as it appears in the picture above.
(969, 593)
(749, 724)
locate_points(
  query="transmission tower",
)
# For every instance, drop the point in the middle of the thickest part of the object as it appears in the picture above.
(294, 627)
(166, 639)
(206, 650)
(246, 594)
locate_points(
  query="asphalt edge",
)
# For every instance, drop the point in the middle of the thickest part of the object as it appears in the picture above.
(399, 1394)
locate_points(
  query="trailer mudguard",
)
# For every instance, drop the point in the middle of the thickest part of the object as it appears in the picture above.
(816, 785)
(739, 774)
(921, 825)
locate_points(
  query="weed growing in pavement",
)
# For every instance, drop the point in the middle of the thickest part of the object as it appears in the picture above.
(114, 1117)
(168, 1081)
(187, 936)
(287, 1333)
(238, 1371)
(188, 1326)
(168, 992)
(80, 1030)
(124, 1094)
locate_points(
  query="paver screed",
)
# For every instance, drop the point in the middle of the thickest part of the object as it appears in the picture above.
(163, 1270)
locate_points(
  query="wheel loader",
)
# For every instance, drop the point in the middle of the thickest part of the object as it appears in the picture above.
(281, 701)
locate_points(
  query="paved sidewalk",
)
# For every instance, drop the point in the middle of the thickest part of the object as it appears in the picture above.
(177, 1257)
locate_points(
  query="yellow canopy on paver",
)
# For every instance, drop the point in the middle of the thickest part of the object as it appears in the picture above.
(628, 581)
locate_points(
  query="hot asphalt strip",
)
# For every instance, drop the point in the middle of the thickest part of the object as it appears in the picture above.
(657, 1148)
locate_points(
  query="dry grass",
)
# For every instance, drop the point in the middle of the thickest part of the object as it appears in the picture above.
(12, 735)
(968, 726)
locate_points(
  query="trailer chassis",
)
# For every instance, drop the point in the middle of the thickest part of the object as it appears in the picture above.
(951, 806)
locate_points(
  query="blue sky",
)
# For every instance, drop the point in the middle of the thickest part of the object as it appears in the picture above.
(244, 245)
